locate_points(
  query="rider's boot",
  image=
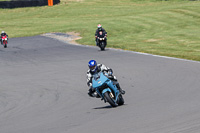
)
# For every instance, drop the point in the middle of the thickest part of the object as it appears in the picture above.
(120, 89)
(91, 92)
(96, 95)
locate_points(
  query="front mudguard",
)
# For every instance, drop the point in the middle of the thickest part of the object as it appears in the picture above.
(103, 92)
(114, 88)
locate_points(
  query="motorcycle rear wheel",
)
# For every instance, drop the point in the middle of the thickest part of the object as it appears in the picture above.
(120, 100)
(109, 99)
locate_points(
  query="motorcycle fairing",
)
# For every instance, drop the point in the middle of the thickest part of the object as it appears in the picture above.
(100, 80)
(4, 37)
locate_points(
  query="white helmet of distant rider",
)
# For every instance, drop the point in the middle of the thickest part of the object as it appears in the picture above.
(99, 26)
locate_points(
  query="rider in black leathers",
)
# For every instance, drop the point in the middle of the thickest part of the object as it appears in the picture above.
(99, 28)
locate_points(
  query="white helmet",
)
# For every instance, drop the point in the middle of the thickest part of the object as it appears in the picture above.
(99, 26)
(3, 32)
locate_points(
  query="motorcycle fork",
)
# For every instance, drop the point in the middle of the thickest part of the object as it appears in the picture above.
(111, 95)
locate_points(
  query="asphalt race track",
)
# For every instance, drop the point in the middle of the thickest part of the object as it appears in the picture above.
(43, 90)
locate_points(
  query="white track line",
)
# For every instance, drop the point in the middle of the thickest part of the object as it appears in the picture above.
(155, 55)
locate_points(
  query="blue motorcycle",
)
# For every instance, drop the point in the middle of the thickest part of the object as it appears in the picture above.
(106, 89)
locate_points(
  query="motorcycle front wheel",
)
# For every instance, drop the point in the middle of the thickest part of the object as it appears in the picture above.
(5, 44)
(102, 46)
(109, 99)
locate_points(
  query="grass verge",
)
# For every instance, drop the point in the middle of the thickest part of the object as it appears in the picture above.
(169, 28)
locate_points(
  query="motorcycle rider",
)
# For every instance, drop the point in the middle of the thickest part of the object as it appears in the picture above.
(3, 33)
(99, 28)
(95, 68)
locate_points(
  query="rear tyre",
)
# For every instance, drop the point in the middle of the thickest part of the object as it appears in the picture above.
(109, 99)
(120, 100)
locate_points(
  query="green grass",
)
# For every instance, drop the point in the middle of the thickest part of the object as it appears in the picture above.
(169, 28)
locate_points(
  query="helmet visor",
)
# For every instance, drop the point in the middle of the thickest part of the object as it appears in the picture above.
(92, 67)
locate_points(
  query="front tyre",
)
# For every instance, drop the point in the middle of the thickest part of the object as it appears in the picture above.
(109, 99)
(5, 44)
(102, 46)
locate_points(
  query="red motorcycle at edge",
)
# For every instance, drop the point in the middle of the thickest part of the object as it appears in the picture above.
(4, 40)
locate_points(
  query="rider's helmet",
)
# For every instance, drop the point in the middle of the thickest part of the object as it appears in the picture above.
(3, 32)
(99, 27)
(92, 64)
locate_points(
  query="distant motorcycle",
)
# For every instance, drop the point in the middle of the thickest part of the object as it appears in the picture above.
(106, 89)
(101, 40)
(4, 40)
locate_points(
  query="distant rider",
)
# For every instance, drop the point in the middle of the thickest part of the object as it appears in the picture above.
(3, 33)
(95, 68)
(99, 28)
